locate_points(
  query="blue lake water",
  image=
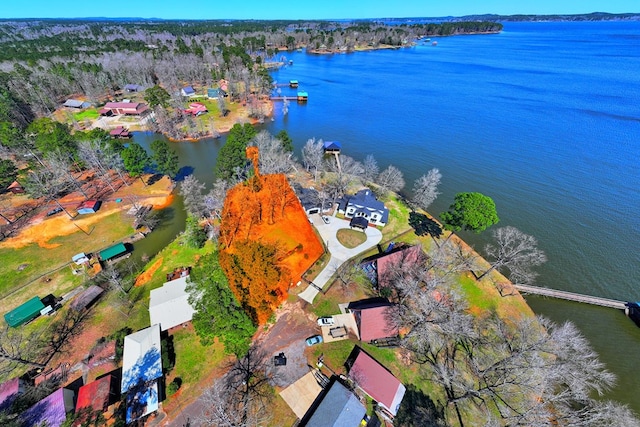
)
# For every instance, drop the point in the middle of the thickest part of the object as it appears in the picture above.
(544, 118)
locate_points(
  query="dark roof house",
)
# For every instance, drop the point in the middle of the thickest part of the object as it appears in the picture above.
(310, 200)
(336, 406)
(376, 381)
(365, 204)
(359, 222)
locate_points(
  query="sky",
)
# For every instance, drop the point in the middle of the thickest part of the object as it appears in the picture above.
(314, 9)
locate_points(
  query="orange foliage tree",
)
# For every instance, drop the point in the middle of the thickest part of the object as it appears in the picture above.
(255, 279)
(266, 241)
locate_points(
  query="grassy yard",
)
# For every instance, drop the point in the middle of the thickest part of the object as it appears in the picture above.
(351, 238)
(88, 114)
(21, 266)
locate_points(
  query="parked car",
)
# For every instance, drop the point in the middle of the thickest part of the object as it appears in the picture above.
(54, 211)
(325, 321)
(326, 219)
(316, 339)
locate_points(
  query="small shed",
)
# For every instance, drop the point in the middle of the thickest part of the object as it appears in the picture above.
(133, 88)
(113, 252)
(293, 83)
(76, 103)
(89, 206)
(15, 188)
(303, 96)
(188, 91)
(120, 132)
(80, 258)
(87, 297)
(25, 312)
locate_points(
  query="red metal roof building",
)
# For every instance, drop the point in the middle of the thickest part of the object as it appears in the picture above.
(373, 323)
(127, 108)
(376, 381)
(196, 109)
(98, 394)
(120, 132)
(396, 261)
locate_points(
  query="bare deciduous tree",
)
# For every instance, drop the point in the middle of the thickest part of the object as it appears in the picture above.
(371, 169)
(425, 189)
(273, 158)
(313, 156)
(390, 179)
(194, 200)
(18, 350)
(515, 251)
(240, 397)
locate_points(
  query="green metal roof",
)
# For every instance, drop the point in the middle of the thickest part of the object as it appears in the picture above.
(113, 251)
(24, 313)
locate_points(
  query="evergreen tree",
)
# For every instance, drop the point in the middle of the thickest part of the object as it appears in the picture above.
(135, 159)
(165, 158)
(232, 157)
(218, 313)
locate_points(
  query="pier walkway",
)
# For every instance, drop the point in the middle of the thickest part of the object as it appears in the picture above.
(571, 296)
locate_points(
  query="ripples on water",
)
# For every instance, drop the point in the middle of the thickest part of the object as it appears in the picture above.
(543, 118)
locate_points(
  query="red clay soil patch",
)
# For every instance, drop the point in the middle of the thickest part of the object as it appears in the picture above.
(148, 274)
(42, 229)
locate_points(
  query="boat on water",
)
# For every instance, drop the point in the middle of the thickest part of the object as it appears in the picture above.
(427, 40)
(291, 62)
(434, 43)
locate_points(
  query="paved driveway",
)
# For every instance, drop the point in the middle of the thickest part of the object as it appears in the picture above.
(339, 253)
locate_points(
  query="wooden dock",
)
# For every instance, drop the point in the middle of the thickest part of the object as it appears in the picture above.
(283, 98)
(571, 296)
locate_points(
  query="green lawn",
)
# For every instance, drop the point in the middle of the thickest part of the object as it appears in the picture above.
(193, 360)
(88, 114)
(21, 266)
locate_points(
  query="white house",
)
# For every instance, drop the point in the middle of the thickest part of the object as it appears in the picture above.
(364, 204)
(141, 370)
(169, 305)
